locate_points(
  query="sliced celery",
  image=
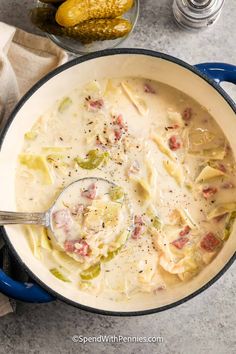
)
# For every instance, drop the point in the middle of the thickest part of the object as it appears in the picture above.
(64, 104)
(91, 273)
(94, 160)
(58, 275)
(116, 193)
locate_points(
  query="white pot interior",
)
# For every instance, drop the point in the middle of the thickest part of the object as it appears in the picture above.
(60, 85)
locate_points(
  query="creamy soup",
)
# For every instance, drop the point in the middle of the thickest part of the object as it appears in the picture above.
(168, 206)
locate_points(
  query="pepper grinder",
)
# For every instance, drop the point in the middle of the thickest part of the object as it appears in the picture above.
(197, 14)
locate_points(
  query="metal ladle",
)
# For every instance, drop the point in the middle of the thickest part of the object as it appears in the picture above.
(45, 218)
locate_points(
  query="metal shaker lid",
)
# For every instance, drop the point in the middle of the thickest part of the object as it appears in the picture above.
(197, 13)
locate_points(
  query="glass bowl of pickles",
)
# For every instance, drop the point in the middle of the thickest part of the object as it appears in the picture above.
(85, 26)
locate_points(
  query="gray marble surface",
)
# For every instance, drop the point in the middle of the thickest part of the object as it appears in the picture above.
(205, 324)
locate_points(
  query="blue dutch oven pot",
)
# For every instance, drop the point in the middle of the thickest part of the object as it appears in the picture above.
(213, 73)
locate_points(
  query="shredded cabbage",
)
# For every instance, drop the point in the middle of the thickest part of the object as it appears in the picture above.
(175, 117)
(138, 102)
(66, 261)
(44, 239)
(37, 162)
(31, 135)
(34, 241)
(200, 137)
(209, 154)
(207, 173)
(222, 209)
(151, 173)
(161, 146)
(188, 218)
(93, 87)
(143, 188)
(100, 212)
(174, 171)
(229, 226)
(38, 238)
(110, 89)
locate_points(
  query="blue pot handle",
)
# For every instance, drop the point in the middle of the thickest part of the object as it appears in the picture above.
(28, 292)
(31, 292)
(219, 72)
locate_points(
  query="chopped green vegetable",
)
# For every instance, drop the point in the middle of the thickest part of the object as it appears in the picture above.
(30, 135)
(55, 157)
(91, 273)
(84, 284)
(110, 255)
(229, 225)
(121, 240)
(156, 223)
(189, 186)
(94, 160)
(116, 193)
(58, 275)
(154, 219)
(64, 104)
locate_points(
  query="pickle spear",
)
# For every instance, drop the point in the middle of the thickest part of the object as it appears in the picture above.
(99, 30)
(73, 12)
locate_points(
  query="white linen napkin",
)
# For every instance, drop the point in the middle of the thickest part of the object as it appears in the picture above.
(24, 59)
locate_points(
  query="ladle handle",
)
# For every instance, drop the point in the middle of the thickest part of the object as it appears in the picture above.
(29, 292)
(8, 217)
